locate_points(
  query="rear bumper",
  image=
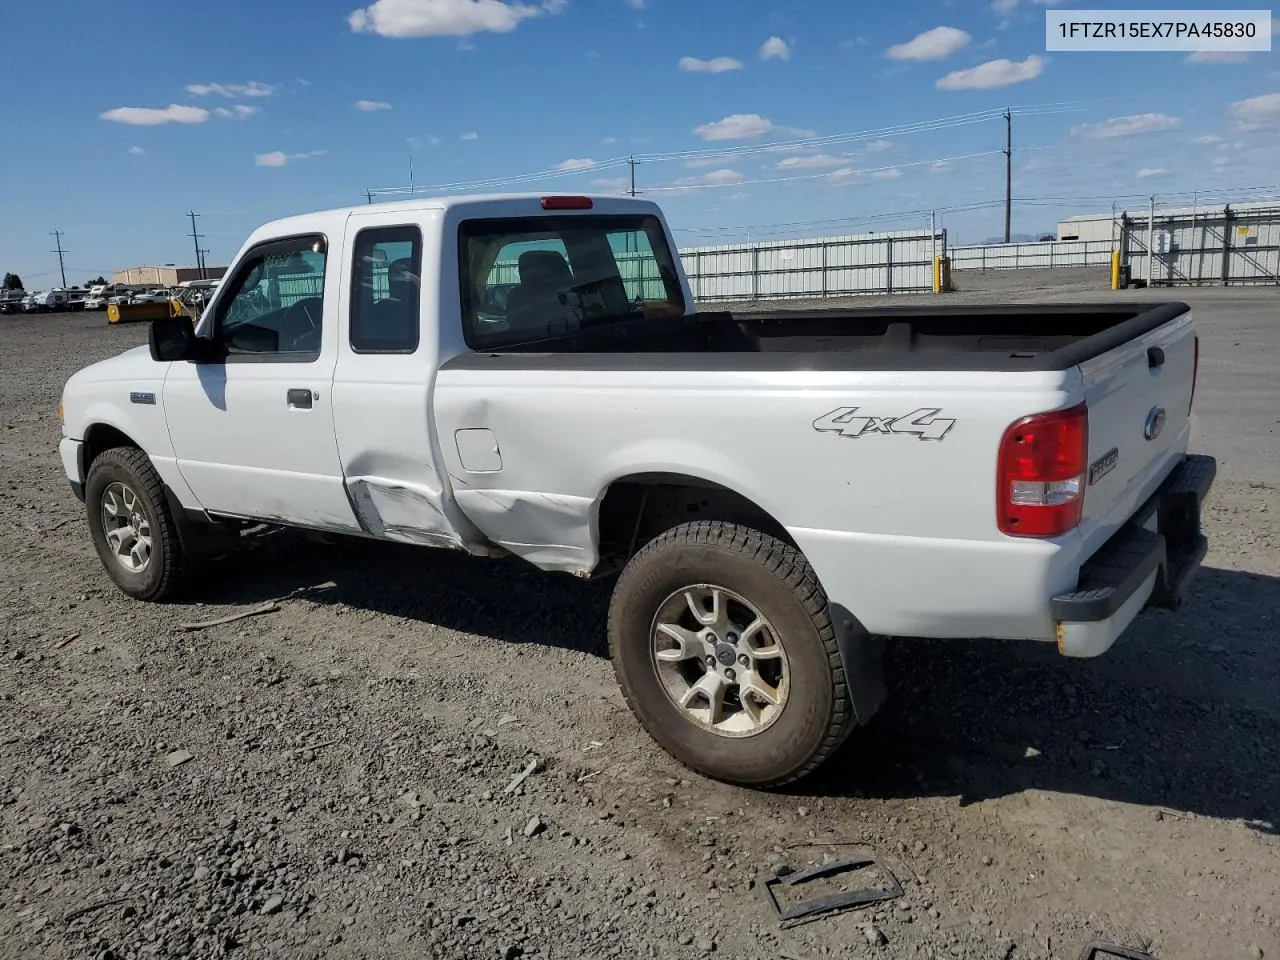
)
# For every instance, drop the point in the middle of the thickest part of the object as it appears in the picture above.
(1148, 562)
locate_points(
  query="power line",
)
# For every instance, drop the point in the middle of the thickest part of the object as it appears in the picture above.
(57, 234)
(746, 150)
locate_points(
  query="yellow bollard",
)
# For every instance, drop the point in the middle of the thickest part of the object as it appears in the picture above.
(1115, 269)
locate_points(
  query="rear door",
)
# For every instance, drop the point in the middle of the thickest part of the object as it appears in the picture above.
(1139, 399)
(387, 355)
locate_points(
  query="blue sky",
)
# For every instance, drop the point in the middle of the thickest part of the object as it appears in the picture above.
(247, 110)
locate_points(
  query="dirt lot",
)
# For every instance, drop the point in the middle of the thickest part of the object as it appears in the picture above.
(346, 793)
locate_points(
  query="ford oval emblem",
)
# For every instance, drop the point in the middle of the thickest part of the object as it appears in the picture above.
(1155, 423)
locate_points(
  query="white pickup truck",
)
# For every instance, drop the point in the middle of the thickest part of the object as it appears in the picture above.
(530, 376)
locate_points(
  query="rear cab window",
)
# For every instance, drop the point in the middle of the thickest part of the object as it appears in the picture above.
(534, 277)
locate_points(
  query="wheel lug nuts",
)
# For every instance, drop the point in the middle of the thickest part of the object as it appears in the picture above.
(729, 674)
(743, 660)
(711, 661)
(732, 637)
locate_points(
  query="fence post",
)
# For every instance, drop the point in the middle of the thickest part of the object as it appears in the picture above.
(824, 269)
(755, 273)
(1227, 217)
(888, 265)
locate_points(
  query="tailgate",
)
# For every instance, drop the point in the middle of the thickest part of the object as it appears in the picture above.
(1139, 400)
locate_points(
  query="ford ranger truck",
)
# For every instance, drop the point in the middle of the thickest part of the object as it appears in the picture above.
(776, 493)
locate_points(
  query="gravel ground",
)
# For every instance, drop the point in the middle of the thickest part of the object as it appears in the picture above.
(332, 779)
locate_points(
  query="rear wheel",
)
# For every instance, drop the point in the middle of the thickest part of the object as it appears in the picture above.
(723, 646)
(132, 528)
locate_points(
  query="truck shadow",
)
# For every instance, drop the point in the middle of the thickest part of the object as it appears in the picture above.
(1183, 714)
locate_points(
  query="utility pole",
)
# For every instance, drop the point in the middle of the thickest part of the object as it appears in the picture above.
(631, 161)
(369, 194)
(195, 238)
(1008, 174)
(204, 263)
(1151, 241)
(410, 176)
(57, 235)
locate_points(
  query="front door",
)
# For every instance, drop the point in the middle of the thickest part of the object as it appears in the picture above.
(253, 430)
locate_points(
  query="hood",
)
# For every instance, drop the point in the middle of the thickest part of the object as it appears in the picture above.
(129, 365)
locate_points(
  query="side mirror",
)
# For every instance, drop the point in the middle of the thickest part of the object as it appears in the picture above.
(172, 338)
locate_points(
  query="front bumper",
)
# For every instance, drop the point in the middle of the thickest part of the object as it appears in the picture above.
(69, 452)
(1148, 562)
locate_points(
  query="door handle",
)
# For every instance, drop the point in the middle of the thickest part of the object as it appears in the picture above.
(299, 399)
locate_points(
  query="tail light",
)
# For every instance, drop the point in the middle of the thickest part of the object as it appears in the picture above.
(1195, 374)
(567, 203)
(1041, 473)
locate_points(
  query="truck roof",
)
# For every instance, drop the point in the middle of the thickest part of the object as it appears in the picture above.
(487, 205)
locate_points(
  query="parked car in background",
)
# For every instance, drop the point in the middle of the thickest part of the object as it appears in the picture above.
(156, 295)
(11, 301)
(95, 301)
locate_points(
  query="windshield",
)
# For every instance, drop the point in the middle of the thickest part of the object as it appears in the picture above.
(530, 278)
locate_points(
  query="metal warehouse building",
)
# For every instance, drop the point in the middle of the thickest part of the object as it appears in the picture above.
(165, 276)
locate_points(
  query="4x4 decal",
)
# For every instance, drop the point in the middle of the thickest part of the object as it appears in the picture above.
(924, 424)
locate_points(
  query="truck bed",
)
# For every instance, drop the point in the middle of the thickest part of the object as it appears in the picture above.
(1015, 337)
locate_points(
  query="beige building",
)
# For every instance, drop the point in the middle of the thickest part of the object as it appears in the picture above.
(165, 276)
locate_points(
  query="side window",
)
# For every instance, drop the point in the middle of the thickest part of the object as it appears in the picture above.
(274, 305)
(386, 290)
(638, 265)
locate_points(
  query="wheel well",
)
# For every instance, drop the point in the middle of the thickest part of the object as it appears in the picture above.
(639, 508)
(99, 439)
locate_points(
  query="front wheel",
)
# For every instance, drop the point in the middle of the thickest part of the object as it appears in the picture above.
(724, 648)
(131, 525)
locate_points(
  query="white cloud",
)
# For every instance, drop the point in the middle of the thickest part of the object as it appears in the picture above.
(994, 73)
(714, 65)
(1208, 139)
(1004, 7)
(942, 166)
(1146, 173)
(817, 161)
(1217, 56)
(137, 151)
(238, 112)
(372, 106)
(715, 178)
(736, 126)
(699, 162)
(472, 135)
(635, 4)
(1133, 125)
(935, 44)
(1256, 112)
(251, 89)
(618, 184)
(445, 18)
(154, 116)
(574, 163)
(608, 140)
(278, 158)
(775, 48)
(880, 146)
(850, 175)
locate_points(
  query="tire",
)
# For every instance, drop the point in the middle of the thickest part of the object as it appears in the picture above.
(758, 576)
(122, 479)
